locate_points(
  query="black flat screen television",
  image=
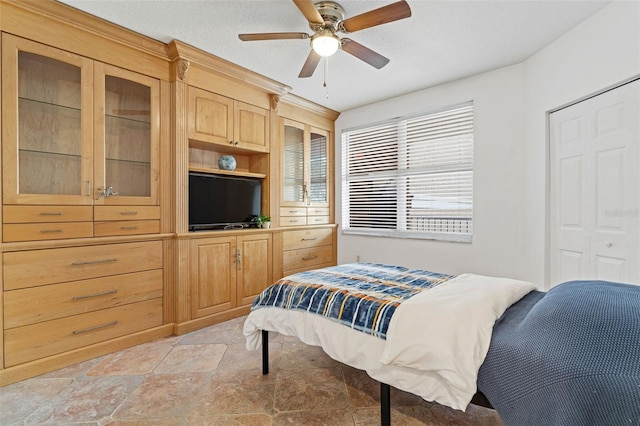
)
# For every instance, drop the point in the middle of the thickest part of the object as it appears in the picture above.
(222, 202)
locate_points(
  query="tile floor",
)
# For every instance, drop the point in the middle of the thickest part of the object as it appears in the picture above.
(208, 378)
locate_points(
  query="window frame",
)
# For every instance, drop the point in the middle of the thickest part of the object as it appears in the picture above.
(400, 174)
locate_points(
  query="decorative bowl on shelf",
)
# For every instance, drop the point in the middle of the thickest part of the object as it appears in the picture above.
(227, 162)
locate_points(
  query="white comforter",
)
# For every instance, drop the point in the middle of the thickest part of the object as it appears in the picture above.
(435, 344)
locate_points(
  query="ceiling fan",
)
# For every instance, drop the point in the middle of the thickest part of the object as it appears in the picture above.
(326, 19)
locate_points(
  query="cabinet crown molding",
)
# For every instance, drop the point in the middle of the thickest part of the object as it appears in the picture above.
(178, 50)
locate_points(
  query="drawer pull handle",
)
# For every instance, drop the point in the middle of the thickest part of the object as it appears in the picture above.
(128, 212)
(293, 211)
(93, 262)
(128, 228)
(309, 257)
(50, 231)
(50, 213)
(97, 327)
(88, 296)
(310, 239)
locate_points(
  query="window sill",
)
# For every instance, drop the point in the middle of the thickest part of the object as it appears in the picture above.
(453, 238)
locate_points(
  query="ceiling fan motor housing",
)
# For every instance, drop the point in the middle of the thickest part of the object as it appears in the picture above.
(331, 12)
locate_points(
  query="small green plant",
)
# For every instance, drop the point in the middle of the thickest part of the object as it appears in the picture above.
(260, 220)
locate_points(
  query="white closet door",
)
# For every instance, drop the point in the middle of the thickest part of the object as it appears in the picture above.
(595, 189)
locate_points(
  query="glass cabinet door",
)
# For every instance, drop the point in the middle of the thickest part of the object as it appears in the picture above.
(293, 171)
(126, 141)
(46, 129)
(318, 168)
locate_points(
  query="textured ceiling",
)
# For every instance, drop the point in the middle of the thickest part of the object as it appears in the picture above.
(442, 40)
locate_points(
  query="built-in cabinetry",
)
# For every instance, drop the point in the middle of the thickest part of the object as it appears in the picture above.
(100, 129)
(61, 299)
(228, 122)
(305, 182)
(228, 271)
(83, 254)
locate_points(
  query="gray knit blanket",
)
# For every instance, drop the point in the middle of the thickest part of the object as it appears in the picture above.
(570, 356)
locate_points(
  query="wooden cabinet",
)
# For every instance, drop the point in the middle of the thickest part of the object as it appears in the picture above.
(227, 122)
(304, 249)
(76, 132)
(61, 299)
(306, 180)
(228, 271)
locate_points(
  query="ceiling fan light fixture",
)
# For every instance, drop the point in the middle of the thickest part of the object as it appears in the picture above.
(325, 43)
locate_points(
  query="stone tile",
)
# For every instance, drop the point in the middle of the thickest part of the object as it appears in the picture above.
(311, 418)
(310, 389)
(237, 392)
(88, 400)
(19, 400)
(296, 354)
(237, 357)
(191, 359)
(75, 370)
(226, 333)
(170, 421)
(474, 416)
(162, 396)
(141, 359)
(232, 420)
(401, 416)
(363, 390)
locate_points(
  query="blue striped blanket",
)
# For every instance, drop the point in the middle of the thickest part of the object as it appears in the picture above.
(362, 296)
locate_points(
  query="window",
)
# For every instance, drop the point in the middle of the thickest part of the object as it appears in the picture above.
(411, 177)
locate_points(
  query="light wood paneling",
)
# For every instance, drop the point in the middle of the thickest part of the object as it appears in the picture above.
(46, 231)
(38, 304)
(30, 342)
(32, 268)
(126, 227)
(305, 238)
(105, 213)
(213, 275)
(255, 270)
(39, 214)
(306, 257)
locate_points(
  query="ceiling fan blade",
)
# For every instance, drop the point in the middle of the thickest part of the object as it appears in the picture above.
(272, 36)
(309, 11)
(310, 64)
(382, 15)
(364, 53)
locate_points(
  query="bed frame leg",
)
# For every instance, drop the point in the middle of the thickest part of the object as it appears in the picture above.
(385, 404)
(265, 352)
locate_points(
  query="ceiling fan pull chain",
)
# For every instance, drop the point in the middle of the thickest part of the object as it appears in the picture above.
(326, 76)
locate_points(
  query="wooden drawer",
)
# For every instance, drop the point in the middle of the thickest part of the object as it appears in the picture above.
(318, 211)
(46, 231)
(45, 303)
(102, 213)
(23, 344)
(126, 227)
(292, 221)
(38, 214)
(37, 267)
(317, 220)
(307, 257)
(306, 238)
(293, 211)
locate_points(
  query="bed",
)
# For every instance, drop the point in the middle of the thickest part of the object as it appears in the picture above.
(568, 356)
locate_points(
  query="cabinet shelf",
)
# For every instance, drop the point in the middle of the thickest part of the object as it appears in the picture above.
(227, 172)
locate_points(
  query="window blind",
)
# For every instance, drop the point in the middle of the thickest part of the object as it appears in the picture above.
(411, 177)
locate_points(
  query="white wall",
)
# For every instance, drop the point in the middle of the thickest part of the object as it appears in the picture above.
(498, 172)
(510, 196)
(603, 51)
